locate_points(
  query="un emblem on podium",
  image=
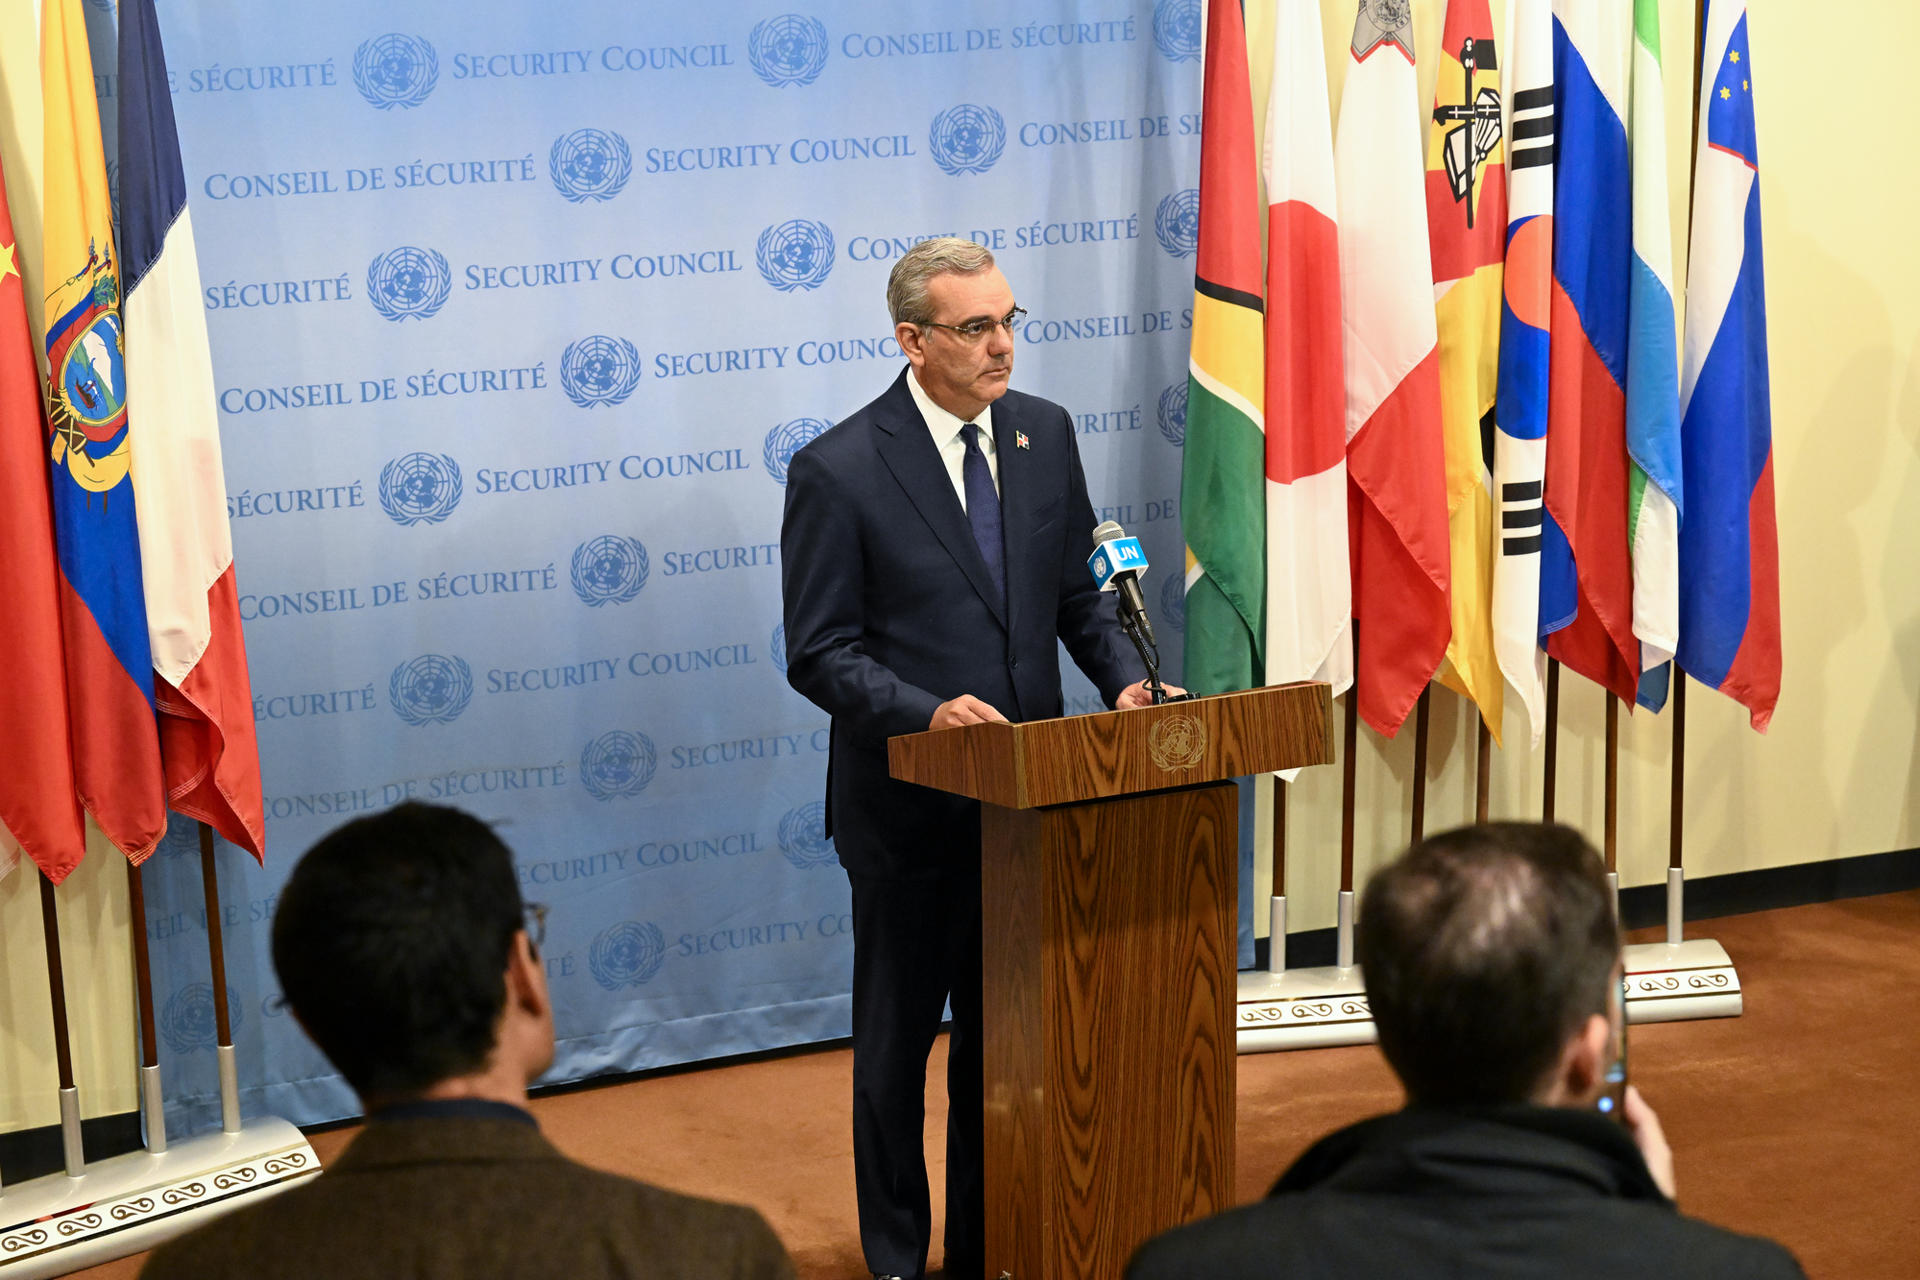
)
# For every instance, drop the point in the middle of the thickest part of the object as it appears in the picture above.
(430, 689)
(600, 370)
(786, 440)
(795, 254)
(1173, 412)
(1177, 223)
(420, 488)
(395, 70)
(408, 283)
(1177, 742)
(627, 954)
(803, 836)
(967, 138)
(609, 569)
(590, 164)
(188, 1022)
(618, 763)
(789, 49)
(1176, 29)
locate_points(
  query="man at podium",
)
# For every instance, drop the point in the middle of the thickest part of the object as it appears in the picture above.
(933, 555)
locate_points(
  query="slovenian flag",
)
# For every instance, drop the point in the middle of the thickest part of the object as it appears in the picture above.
(1729, 552)
(116, 750)
(1222, 502)
(1653, 375)
(1396, 463)
(211, 762)
(1520, 410)
(1309, 587)
(1586, 582)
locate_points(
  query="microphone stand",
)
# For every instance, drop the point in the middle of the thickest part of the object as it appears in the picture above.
(1149, 654)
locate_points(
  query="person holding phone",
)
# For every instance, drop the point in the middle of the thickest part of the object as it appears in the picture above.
(1493, 969)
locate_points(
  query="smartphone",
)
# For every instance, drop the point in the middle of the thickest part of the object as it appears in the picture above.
(1613, 1096)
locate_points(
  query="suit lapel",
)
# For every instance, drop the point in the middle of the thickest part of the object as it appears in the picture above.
(906, 446)
(1016, 507)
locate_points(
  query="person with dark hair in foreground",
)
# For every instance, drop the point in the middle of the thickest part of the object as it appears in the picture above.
(403, 949)
(1492, 962)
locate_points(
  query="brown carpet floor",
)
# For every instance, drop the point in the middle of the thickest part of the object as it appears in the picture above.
(1799, 1120)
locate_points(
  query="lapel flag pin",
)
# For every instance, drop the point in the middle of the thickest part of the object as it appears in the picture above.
(1019, 439)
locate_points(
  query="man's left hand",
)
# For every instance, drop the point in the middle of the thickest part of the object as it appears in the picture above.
(1137, 695)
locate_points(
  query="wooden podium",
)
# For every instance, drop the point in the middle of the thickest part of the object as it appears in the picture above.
(1109, 855)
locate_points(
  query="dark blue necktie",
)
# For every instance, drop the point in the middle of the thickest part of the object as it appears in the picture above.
(983, 509)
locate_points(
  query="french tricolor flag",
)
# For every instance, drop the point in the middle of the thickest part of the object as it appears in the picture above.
(201, 690)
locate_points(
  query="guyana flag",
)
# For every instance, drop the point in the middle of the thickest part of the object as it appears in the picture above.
(1222, 480)
(1467, 229)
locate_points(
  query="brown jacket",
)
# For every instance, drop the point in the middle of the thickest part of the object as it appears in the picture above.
(473, 1198)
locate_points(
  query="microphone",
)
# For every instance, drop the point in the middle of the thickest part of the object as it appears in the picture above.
(1116, 564)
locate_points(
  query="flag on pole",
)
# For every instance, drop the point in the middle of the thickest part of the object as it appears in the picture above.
(1309, 585)
(39, 806)
(1221, 502)
(116, 747)
(1397, 499)
(1467, 227)
(211, 762)
(1520, 410)
(1729, 549)
(1586, 581)
(1653, 375)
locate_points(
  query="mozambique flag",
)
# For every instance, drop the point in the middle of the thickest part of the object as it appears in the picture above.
(116, 746)
(1222, 478)
(1467, 228)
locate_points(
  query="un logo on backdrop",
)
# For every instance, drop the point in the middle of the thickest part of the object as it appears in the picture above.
(795, 254)
(609, 569)
(627, 954)
(789, 49)
(785, 440)
(590, 164)
(1177, 223)
(430, 689)
(967, 138)
(1176, 29)
(1173, 602)
(408, 283)
(395, 70)
(803, 836)
(617, 764)
(600, 370)
(777, 646)
(420, 488)
(1173, 412)
(188, 1021)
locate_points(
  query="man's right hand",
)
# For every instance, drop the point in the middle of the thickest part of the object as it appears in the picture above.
(1644, 1125)
(965, 709)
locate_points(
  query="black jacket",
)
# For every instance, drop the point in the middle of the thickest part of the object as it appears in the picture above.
(1497, 1193)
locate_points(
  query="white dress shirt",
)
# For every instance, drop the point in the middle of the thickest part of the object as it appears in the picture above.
(947, 438)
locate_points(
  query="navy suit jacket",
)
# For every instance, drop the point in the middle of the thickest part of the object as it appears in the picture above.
(890, 612)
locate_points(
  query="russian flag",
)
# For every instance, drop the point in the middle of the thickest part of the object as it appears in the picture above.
(201, 690)
(1729, 546)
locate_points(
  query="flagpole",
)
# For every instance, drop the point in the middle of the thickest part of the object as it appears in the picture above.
(1277, 903)
(1483, 768)
(1419, 825)
(217, 954)
(1553, 740)
(1345, 956)
(70, 1145)
(1611, 823)
(151, 1097)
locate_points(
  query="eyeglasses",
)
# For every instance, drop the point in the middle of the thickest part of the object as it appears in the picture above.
(536, 913)
(974, 330)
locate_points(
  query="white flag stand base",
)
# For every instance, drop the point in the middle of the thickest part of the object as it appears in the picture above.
(1302, 1009)
(120, 1206)
(1671, 982)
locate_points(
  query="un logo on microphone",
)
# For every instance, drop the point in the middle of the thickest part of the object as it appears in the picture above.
(785, 440)
(420, 488)
(609, 569)
(1176, 29)
(1173, 412)
(789, 49)
(600, 370)
(189, 1021)
(1173, 602)
(395, 70)
(616, 764)
(803, 836)
(590, 164)
(627, 954)
(430, 689)
(967, 138)
(1177, 223)
(408, 283)
(795, 254)
(777, 646)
